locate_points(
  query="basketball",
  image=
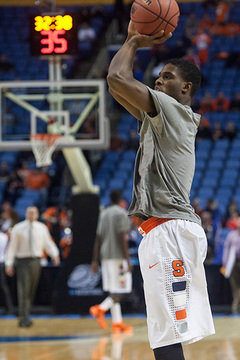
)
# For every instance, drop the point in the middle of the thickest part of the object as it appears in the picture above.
(152, 16)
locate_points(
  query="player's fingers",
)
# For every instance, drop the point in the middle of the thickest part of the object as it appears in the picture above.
(131, 29)
(161, 34)
(158, 34)
(160, 40)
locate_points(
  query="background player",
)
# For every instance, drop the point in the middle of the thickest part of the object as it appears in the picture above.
(112, 248)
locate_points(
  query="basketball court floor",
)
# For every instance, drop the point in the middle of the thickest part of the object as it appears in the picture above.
(72, 337)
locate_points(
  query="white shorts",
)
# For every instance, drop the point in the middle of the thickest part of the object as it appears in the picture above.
(171, 258)
(116, 278)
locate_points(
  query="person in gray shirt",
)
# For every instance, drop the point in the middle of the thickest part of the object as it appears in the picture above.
(111, 248)
(174, 245)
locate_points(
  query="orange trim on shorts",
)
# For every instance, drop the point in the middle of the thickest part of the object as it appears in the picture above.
(150, 224)
(181, 314)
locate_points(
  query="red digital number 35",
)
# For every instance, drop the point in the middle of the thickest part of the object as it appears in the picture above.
(51, 40)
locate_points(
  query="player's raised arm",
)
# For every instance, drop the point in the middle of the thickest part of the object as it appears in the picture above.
(128, 91)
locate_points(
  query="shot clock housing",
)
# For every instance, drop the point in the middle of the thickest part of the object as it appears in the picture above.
(53, 35)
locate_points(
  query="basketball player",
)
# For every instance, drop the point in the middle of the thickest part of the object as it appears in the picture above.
(111, 248)
(174, 244)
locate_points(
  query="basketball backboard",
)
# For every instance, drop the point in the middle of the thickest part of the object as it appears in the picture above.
(68, 107)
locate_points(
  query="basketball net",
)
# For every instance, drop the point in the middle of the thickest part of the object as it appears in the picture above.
(43, 146)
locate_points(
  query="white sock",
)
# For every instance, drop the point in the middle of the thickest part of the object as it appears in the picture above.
(107, 303)
(116, 313)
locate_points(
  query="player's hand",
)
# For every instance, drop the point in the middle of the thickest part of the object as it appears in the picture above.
(9, 270)
(143, 41)
(94, 266)
(131, 30)
(222, 270)
(130, 266)
(150, 40)
(56, 260)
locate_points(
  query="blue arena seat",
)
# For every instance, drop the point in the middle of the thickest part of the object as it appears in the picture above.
(215, 164)
(223, 194)
(218, 154)
(112, 156)
(232, 164)
(228, 182)
(127, 195)
(230, 173)
(212, 173)
(205, 192)
(200, 164)
(129, 155)
(221, 144)
(126, 165)
(209, 182)
(116, 184)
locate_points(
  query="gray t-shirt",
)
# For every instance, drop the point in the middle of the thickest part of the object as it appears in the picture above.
(112, 221)
(165, 161)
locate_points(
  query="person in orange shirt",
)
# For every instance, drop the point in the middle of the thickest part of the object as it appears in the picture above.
(221, 102)
(56, 220)
(65, 243)
(206, 104)
(53, 215)
(202, 41)
(222, 13)
(232, 29)
(39, 180)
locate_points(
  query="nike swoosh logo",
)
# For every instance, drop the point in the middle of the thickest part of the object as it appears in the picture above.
(151, 266)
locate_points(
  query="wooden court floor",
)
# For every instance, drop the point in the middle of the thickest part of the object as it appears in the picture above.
(75, 337)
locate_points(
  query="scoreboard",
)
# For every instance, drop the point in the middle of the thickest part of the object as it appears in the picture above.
(53, 35)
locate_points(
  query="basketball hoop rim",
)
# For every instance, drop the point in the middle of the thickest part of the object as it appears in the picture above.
(47, 138)
(43, 136)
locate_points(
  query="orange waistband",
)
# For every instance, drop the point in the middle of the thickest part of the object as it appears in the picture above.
(150, 224)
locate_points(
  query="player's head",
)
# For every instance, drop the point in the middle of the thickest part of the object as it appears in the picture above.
(116, 196)
(180, 79)
(188, 71)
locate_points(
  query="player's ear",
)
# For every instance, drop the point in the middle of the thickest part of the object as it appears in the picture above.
(187, 87)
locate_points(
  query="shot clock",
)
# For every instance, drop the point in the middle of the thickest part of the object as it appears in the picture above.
(53, 35)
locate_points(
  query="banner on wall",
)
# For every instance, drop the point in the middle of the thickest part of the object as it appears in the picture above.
(83, 282)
